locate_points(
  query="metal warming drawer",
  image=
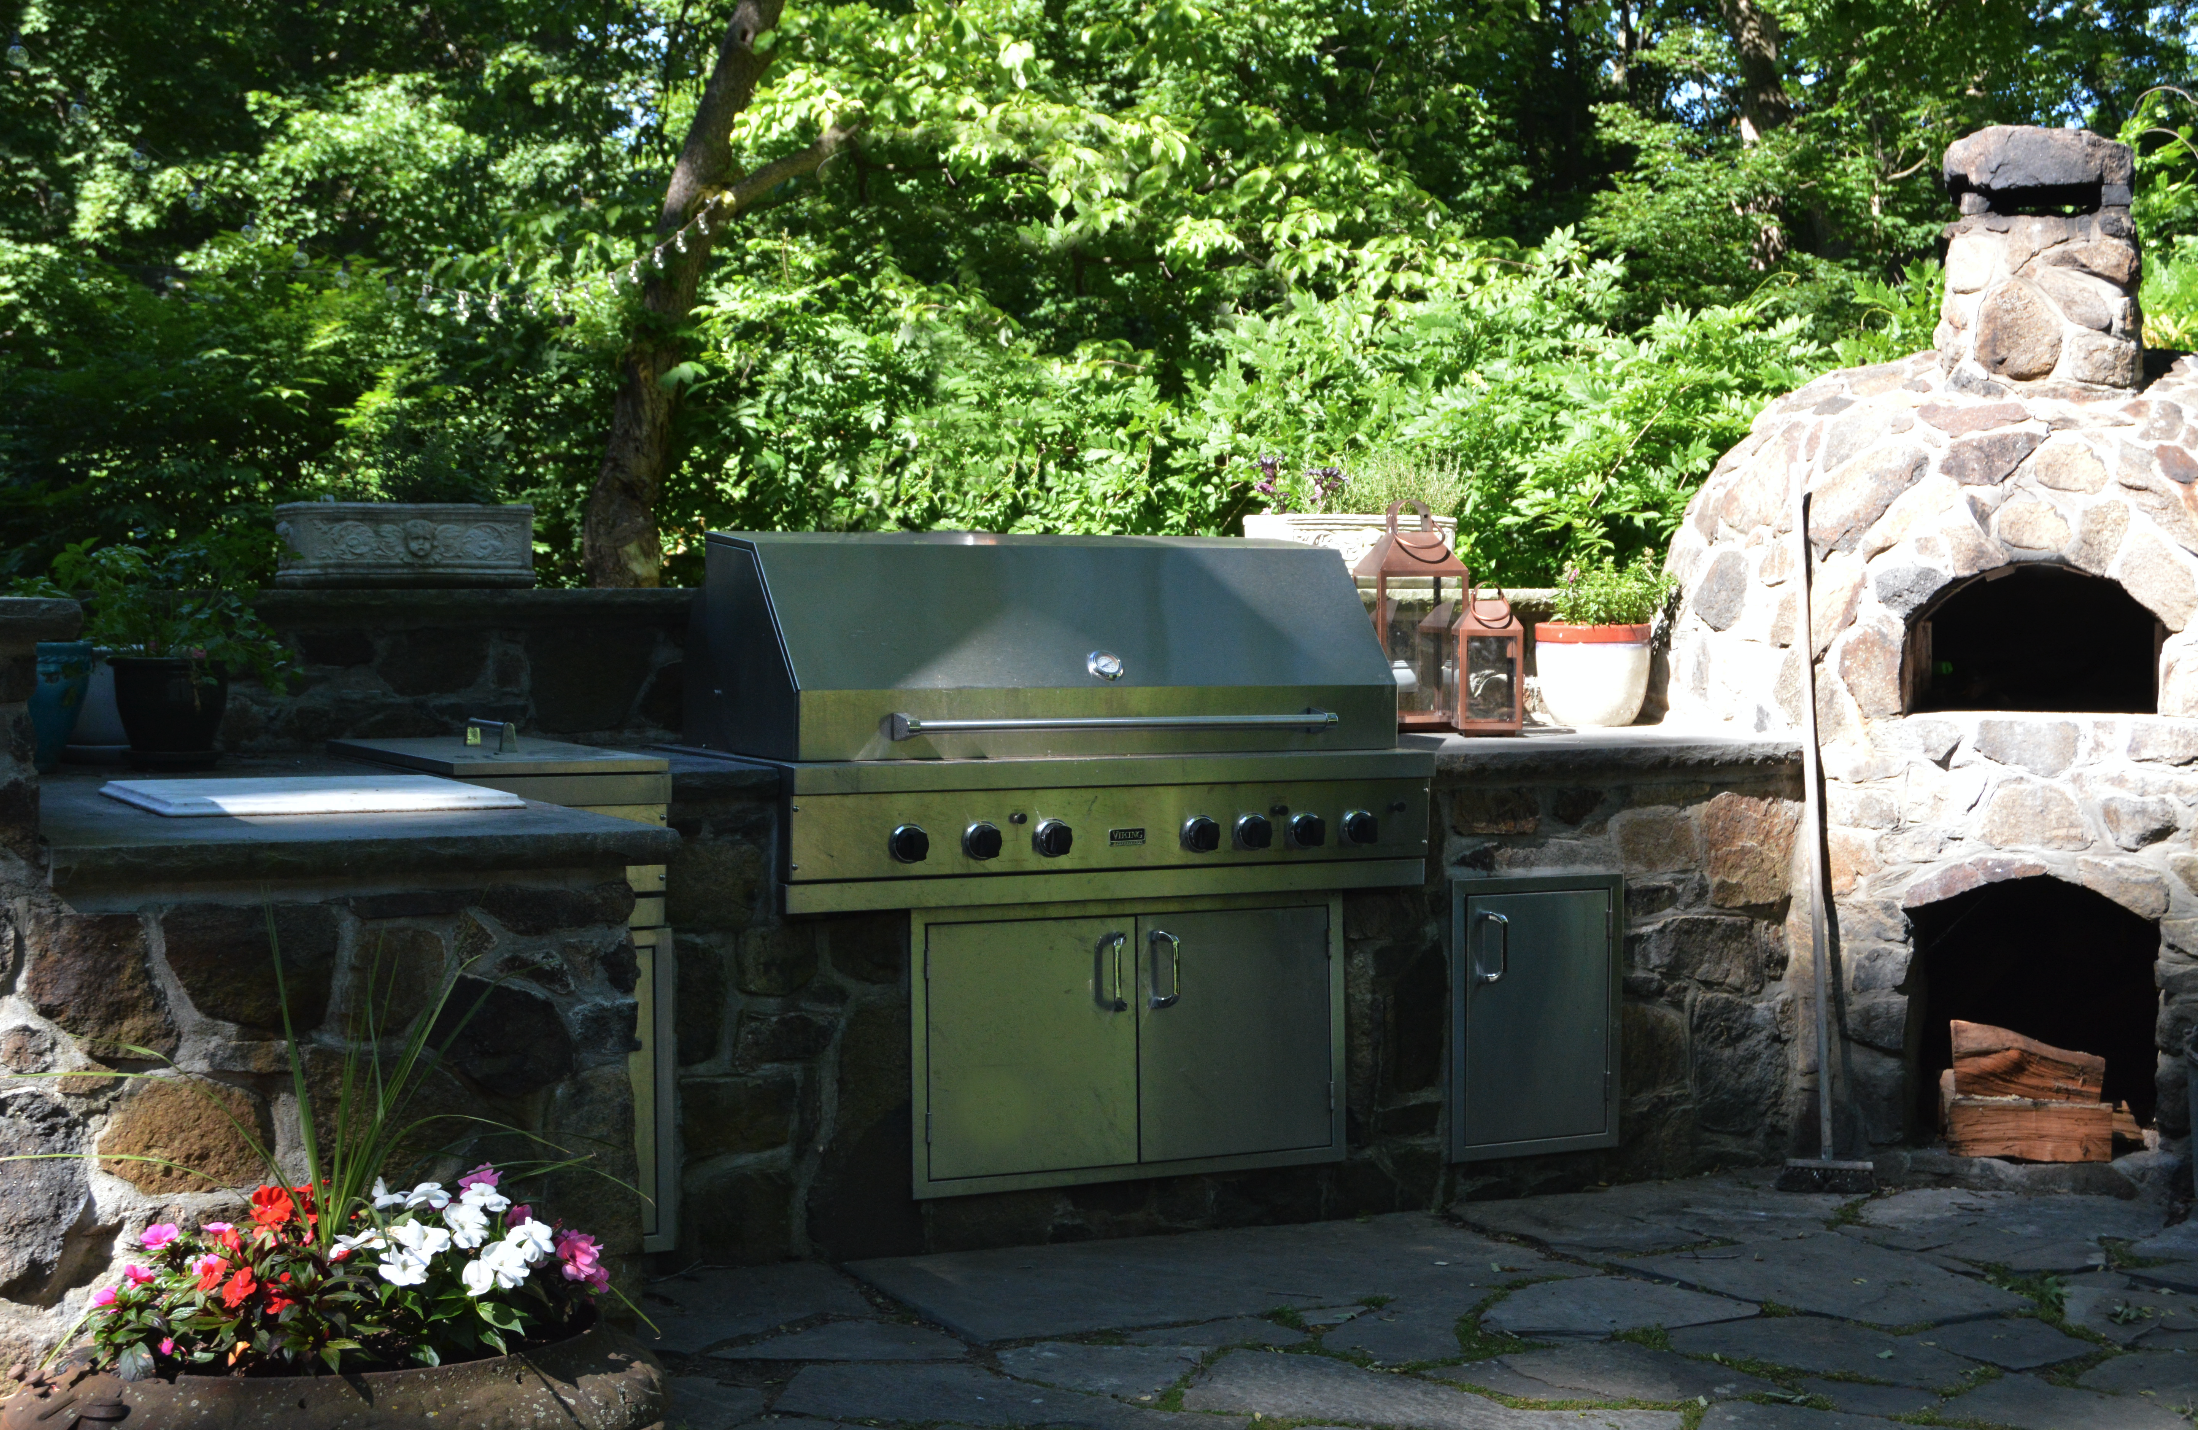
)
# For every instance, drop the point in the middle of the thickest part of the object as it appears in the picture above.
(1121, 783)
(622, 785)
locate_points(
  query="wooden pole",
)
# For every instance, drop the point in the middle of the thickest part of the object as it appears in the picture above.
(1820, 1173)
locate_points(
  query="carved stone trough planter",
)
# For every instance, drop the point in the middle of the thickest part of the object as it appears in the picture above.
(423, 544)
(598, 1380)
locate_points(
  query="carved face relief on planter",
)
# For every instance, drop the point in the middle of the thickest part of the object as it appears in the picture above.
(2004, 544)
(404, 544)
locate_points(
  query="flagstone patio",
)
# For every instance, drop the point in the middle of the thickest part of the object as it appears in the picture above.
(1713, 1301)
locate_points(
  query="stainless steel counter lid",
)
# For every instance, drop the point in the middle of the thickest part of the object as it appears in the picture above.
(956, 645)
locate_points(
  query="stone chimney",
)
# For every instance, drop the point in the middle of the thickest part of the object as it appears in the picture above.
(2042, 267)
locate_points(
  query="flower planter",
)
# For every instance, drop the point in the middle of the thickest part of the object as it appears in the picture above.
(64, 671)
(171, 718)
(597, 1380)
(1350, 536)
(1592, 675)
(421, 544)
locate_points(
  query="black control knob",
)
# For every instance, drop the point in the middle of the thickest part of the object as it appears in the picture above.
(1201, 835)
(1052, 838)
(981, 841)
(1308, 831)
(1253, 831)
(1360, 827)
(909, 844)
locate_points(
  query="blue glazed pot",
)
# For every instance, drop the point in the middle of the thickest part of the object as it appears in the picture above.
(64, 669)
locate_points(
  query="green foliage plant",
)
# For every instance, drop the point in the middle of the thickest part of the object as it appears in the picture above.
(187, 603)
(1607, 594)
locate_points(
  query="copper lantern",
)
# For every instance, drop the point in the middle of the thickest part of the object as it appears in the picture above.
(1431, 627)
(1414, 584)
(1492, 692)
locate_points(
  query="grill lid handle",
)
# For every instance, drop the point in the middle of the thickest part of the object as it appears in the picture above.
(1312, 722)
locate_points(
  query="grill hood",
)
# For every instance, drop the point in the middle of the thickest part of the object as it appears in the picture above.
(949, 645)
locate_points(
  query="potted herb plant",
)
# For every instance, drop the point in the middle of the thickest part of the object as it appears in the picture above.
(1593, 660)
(1345, 510)
(407, 505)
(340, 1300)
(173, 627)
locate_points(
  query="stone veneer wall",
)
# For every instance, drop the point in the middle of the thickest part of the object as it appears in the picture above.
(194, 982)
(605, 665)
(793, 1033)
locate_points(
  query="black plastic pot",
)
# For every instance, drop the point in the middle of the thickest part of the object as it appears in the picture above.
(171, 718)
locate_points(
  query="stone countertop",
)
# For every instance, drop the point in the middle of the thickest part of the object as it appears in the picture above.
(708, 777)
(93, 841)
(1546, 753)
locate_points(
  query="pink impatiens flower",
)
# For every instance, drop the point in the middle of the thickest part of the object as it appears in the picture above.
(518, 1214)
(168, 1346)
(157, 1235)
(103, 1298)
(582, 1256)
(136, 1275)
(216, 1228)
(484, 1175)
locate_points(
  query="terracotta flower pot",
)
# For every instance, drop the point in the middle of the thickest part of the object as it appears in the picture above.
(598, 1380)
(171, 718)
(1592, 676)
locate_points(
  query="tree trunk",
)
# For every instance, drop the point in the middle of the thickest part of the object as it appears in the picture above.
(1764, 103)
(620, 543)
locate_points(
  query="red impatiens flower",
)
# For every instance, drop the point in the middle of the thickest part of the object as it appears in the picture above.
(210, 1270)
(240, 1286)
(271, 1206)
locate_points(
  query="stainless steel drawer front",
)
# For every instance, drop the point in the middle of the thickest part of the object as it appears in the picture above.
(1534, 989)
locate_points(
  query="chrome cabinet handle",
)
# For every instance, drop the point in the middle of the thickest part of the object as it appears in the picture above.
(1116, 1004)
(1175, 969)
(902, 726)
(1503, 950)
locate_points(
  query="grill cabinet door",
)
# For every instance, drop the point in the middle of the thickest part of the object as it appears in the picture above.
(1235, 1056)
(1534, 974)
(1030, 1068)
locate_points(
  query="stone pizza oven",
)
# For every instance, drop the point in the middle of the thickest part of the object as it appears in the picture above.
(2007, 670)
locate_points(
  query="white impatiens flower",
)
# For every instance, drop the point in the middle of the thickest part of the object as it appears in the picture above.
(384, 1198)
(533, 1239)
(418, 1239)
(402, 1270)
(502, 1265)
(468, 1225)
(484, 1197)
(428, 1194)
(368, 1240)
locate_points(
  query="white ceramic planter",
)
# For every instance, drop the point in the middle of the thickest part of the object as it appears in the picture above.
(431, 544)
(1349, 536)
(1592, 676)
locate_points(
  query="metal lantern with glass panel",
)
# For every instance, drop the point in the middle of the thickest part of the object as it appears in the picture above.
(1403, 579)
(1491, 699)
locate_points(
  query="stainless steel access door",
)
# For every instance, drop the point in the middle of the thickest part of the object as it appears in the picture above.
(1031, 1047)
(1233, 1050)
(1535, 980)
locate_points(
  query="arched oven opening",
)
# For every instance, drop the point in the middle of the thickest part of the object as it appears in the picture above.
(2043, 958)
(2034, 637)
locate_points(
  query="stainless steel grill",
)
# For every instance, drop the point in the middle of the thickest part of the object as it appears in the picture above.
(964, 719)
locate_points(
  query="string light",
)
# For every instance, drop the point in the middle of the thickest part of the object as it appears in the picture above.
(18, 56)
(196, 199)
(78, 114)
(300, 258)
(343, 278)
(140, 160)
(250, 232)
